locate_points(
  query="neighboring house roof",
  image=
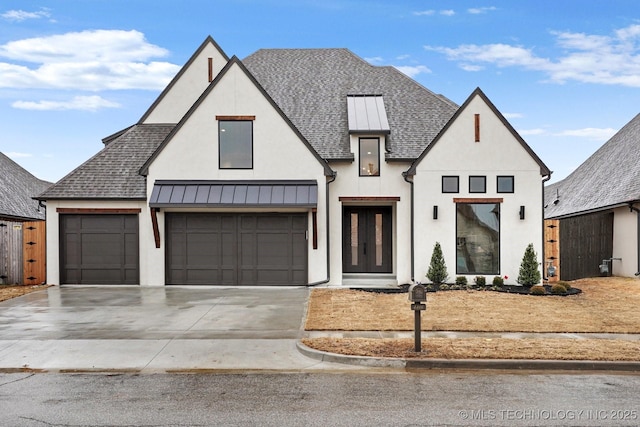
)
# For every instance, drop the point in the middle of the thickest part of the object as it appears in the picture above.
(311, 87)
(17, 189)
(544, 170)
(113, 172)
(609, 178)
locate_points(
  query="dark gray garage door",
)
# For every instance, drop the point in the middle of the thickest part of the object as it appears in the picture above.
(236, 249)
(99, 249)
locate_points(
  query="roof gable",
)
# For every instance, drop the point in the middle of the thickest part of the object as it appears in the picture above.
(233, 62)
(609, 177)
(544, 170)
(185, 88)
(17, 190)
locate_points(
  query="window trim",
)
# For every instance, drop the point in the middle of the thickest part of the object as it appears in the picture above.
(484, 179)
(360, 139)
(513, 183)
(223, 119)
(457, 177)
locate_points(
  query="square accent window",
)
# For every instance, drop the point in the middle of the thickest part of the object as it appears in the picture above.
(505, 184)
(477, 184)
(235, 146)
(478, 238)
(369, 157)
(450, 184)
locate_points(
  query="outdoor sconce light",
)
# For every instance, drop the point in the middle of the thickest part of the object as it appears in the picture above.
(435, 212)
(521, 212)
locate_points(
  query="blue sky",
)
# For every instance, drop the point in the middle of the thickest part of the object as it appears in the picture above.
(566, 74)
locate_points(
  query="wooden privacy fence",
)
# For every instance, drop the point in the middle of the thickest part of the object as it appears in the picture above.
(22, 252)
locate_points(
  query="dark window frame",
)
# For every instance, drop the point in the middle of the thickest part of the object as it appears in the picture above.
(476, 271)
(513, 183)
(457, 178)
(360, 157)
(484, 184)
(221, 122)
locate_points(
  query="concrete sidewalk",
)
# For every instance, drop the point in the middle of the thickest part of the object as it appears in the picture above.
(156, 330)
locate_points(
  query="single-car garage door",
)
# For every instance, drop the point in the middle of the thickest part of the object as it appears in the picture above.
(99, 249)
(236, 249)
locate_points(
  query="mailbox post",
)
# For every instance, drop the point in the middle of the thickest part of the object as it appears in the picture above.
(418, 296)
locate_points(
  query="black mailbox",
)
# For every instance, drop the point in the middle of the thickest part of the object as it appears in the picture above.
(417, 293)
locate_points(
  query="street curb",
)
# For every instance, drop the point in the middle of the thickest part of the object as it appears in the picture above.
(497, 364)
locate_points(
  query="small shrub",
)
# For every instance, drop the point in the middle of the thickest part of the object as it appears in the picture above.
(566, 285)
(498, 281)
(529, 272)
(538, 290)
(429, 288)
(437, 272)
(461, 280)
(558, 289)
(444, 287)
(480, 280)
(455, 287)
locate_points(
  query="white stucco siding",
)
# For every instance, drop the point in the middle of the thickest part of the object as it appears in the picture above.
(625, 243)
(497, 153)
(278, 154)
(188, 88)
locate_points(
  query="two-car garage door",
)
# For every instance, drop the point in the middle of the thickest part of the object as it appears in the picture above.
(201, 249)
(236, 249)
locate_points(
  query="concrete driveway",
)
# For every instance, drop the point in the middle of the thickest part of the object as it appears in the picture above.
(155, 329)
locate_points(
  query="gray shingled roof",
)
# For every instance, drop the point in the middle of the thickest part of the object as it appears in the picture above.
(113, 172)
(311, 87)
(610, 177)
(17, 189)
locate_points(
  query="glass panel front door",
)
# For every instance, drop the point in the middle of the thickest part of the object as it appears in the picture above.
(367, 239)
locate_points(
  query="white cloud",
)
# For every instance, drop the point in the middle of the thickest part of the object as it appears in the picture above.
(83, 103)
(611, 60)
(532, 132)
(597, 134)
(21, 15)
(513, 115)
(412, 71)
(425, 13)
(374, 59)
(448, 12)
(89, 60)
(17, 155)
(480, 10)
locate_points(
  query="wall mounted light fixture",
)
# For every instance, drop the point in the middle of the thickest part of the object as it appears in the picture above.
(435, 212)
(521, 212)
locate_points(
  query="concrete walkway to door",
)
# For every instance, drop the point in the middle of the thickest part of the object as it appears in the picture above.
(141, 329)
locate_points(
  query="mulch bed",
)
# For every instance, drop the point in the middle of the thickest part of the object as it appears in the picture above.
(510, 289)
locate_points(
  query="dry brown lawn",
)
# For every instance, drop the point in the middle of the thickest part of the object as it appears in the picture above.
(12, 291)
(606, 305)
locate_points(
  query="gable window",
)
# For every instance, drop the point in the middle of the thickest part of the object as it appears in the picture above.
(477, 184)
(450, 184)
(478, 238)
(505, 184)
(235, 144)
(369, 157)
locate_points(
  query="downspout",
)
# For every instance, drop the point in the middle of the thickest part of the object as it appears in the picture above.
(405, 175)
(637, 211)
(328, 214)
(544, 270)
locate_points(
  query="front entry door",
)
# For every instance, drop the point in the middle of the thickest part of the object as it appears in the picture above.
(366, 239)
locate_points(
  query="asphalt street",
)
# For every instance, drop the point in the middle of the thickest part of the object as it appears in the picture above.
(425, 398)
